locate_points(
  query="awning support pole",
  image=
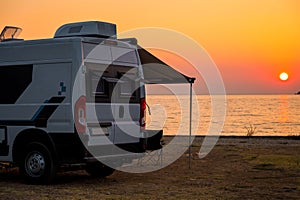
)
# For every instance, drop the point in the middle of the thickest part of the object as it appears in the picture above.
(190, 125)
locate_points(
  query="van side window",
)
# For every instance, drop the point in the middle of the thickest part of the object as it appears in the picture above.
(13, 82)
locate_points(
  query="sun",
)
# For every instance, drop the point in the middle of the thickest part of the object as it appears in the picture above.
(284, 76)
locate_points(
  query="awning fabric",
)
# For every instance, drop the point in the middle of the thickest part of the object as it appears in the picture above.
(158, 72)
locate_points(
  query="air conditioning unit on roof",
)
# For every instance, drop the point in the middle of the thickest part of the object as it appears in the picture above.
(87, 29)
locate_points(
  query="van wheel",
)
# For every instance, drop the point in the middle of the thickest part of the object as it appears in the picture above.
(98, 170)
(37, 165)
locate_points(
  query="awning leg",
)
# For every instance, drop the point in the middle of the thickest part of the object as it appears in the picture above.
(190, 125)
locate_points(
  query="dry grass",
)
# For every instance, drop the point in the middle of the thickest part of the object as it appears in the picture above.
(250, 130)
(235, 169)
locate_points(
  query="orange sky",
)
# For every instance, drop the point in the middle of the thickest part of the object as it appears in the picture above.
(250, 41)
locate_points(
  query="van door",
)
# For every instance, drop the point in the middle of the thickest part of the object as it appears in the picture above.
(99, 112)
(126, 95)
(113, 98)
(126, 103)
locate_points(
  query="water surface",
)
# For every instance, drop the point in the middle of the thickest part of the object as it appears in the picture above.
(270, 115)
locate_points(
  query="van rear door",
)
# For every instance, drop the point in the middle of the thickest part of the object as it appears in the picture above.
(99, 112)
(126, 103)
(113, 93)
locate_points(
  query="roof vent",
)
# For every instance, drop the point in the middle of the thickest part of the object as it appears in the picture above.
(87, 29)
(10, 33)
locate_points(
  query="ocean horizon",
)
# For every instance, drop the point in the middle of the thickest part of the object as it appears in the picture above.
(263, 115)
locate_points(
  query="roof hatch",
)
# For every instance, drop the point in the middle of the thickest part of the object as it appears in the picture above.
(10, 33)
(87, 29)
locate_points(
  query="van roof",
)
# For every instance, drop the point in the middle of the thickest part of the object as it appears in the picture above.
(127, 43)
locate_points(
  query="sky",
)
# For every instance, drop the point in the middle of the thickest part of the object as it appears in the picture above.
(251, 42)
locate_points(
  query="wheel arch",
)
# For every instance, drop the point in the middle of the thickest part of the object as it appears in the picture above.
(31, 135)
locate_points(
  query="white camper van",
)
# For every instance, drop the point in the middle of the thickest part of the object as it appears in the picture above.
(62, 98)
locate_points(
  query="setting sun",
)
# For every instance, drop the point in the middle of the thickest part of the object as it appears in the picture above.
(283, 76)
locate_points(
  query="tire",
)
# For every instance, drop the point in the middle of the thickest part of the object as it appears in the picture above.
(37, 164)
(98, 170)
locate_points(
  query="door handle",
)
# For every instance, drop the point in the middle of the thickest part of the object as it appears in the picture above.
(121, 111)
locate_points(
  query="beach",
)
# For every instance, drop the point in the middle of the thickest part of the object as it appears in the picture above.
(236, 168)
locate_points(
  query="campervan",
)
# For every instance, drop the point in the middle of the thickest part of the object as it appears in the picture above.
(70, 99)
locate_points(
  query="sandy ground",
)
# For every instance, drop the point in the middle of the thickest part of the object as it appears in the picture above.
(237, 168)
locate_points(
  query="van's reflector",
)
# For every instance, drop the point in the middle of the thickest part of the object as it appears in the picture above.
(80, 115)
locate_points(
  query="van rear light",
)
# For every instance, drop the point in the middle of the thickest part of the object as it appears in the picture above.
(80, 115)
(143, 106)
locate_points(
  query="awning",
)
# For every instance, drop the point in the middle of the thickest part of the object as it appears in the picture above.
(158, 72)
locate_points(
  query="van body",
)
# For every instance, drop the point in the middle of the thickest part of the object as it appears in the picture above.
(70, 99)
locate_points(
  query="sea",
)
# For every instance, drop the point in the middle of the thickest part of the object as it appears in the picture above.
(240, 115)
